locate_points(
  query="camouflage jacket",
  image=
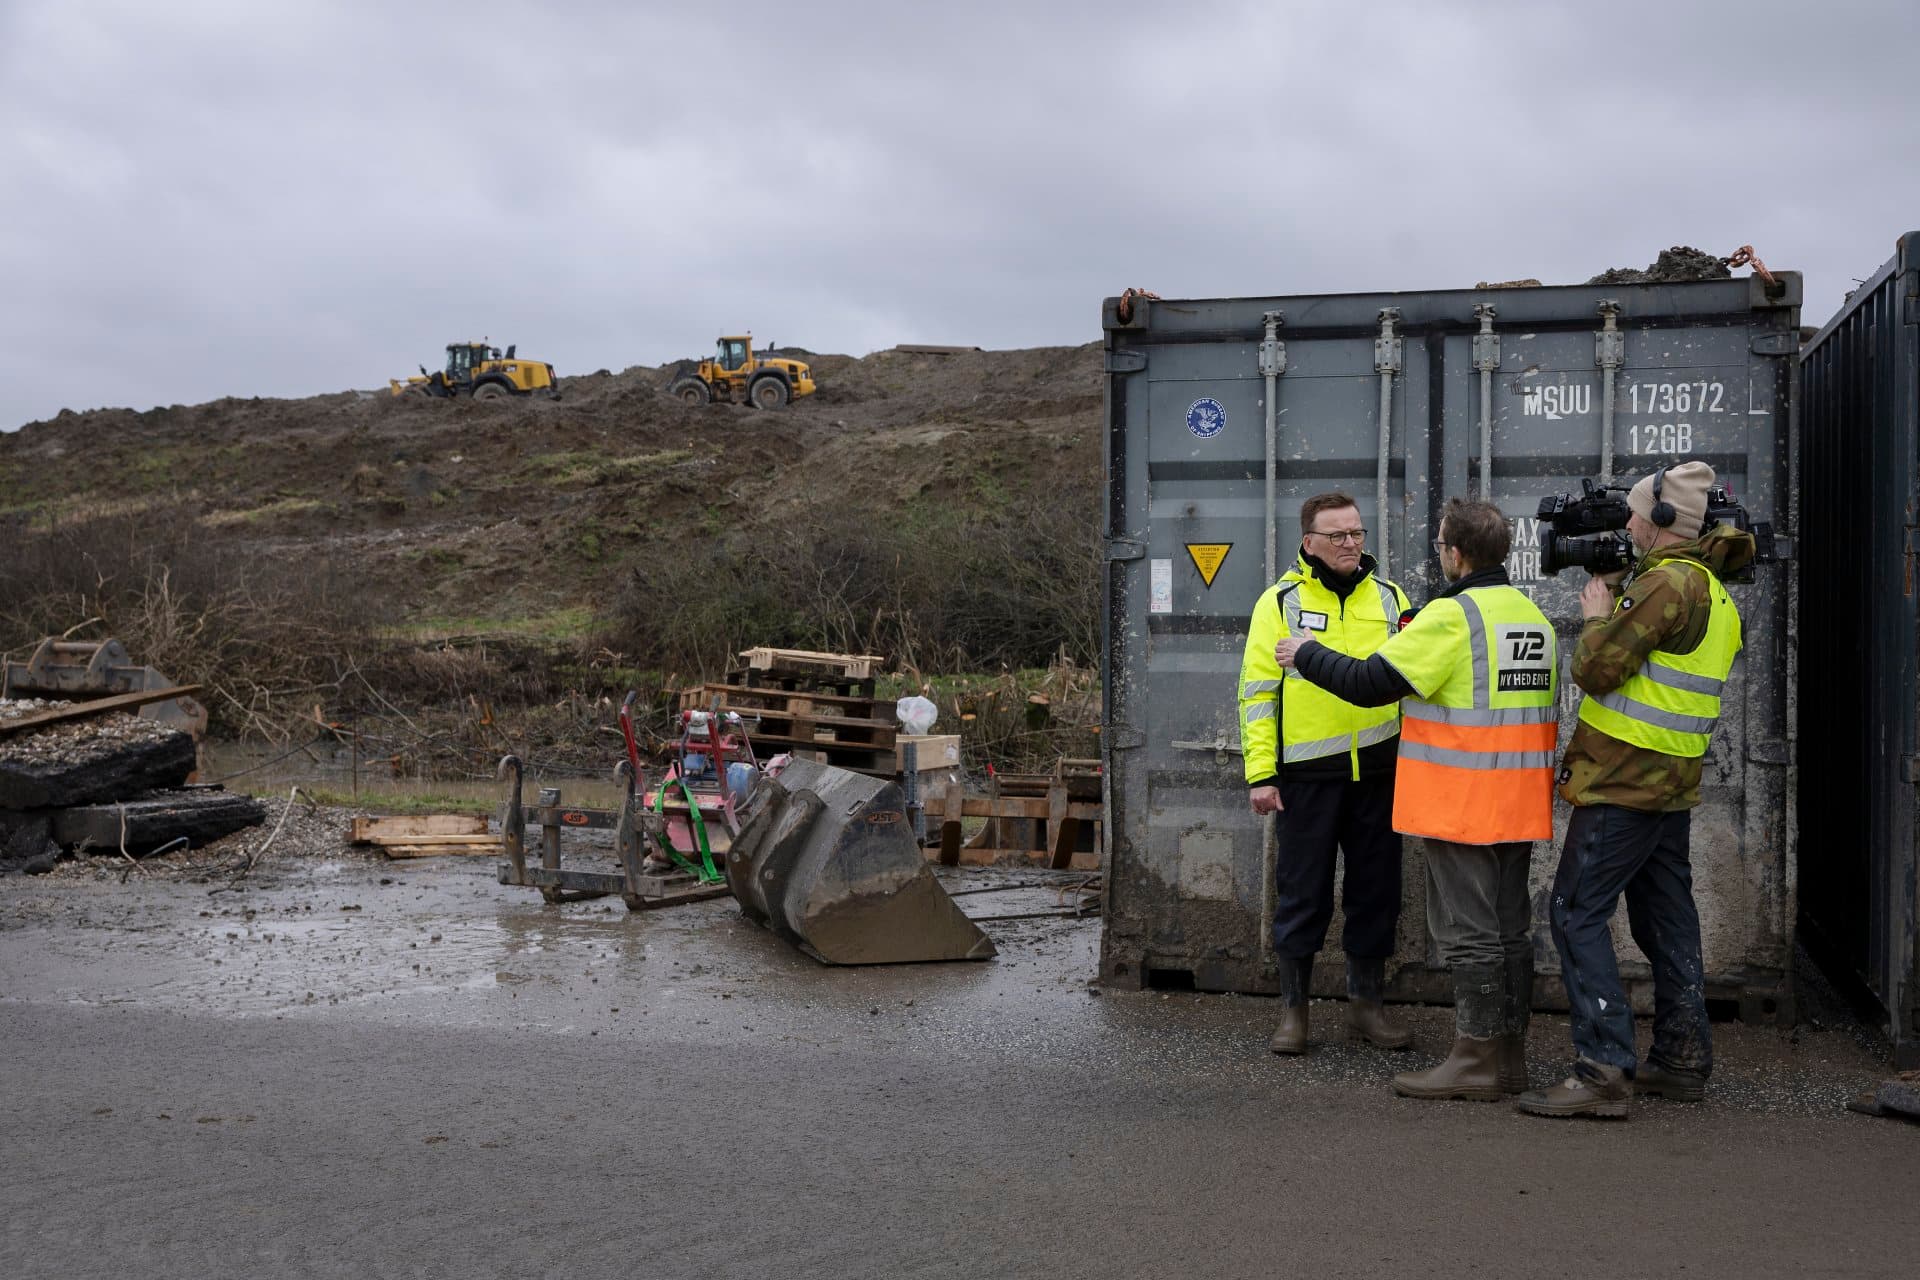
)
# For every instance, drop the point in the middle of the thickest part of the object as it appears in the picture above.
(1663, 607)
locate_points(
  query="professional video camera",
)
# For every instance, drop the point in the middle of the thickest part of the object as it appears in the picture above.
(1586, 532)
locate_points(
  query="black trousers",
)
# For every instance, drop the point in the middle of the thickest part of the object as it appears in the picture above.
(1320, 818)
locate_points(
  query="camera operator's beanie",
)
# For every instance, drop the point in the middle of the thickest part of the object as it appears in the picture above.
(1685, 486)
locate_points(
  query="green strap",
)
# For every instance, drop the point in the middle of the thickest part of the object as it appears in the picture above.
(705, 873)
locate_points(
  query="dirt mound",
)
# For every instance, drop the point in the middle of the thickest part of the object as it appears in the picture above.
(527, 517)
(1673, 266)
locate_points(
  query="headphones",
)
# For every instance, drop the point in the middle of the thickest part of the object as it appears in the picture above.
(1662, 513)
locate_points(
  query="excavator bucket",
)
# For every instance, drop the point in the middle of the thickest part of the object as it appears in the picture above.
(828, 860)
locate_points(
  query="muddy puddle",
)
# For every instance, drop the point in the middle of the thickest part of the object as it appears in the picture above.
(272, 769)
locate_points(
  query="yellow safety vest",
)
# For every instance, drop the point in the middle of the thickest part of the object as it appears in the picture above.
(1477, 737)
(1316, 723)
(1672, 702)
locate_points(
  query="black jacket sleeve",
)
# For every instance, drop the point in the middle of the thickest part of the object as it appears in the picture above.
(1368, 682)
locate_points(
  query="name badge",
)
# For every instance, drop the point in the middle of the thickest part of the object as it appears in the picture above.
(1313, 621)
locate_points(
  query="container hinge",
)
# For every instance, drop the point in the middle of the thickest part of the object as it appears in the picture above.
(1122, 737)
(1387, 347)
(1609, 344)
(1125, 549)
(1784, 547)
(1911, 767)
(1273, 352)
(1775, 344)
(1125, 361)
(1486, 343)
(1768, 751)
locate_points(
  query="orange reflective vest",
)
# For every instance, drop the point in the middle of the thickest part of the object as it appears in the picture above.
(1477, 742)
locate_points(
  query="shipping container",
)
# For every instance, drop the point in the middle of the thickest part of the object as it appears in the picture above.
(1860, 537)
(1224, 415)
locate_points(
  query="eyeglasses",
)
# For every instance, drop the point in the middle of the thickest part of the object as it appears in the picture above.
(1342, 537)
(1441, 544)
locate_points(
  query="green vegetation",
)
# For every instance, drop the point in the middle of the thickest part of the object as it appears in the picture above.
(394, 803)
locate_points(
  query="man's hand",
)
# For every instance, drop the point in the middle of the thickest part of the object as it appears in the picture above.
(1284, 651)
(1265, 800)
(1596, 600)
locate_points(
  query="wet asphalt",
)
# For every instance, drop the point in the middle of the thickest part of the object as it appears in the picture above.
(356, 1068)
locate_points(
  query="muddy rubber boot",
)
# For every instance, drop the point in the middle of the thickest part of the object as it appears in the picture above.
(1472, 1068)
(1665, 1082)
(1471, 1071)
(1296, 979)
(1366, 1011)
(1607, 1095)
(1519, 1011)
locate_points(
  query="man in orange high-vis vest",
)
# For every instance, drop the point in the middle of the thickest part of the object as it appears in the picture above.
(1475, 672)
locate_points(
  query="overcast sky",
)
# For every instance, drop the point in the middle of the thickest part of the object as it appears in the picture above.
(250, 197)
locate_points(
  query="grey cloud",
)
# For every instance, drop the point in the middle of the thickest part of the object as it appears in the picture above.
(210, 199)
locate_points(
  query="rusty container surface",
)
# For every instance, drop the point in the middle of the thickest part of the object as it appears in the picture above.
(828, 860)
(1404, 400)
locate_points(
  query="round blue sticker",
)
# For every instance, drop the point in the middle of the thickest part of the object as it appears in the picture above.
(1205, 418)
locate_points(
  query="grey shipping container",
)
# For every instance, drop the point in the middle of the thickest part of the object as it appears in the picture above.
(1860, 542)
(1404, 400)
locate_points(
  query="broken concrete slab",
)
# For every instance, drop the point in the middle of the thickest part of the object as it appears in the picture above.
(150, 822)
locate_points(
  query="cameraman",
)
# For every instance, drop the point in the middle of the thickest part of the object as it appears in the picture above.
(1652, 665)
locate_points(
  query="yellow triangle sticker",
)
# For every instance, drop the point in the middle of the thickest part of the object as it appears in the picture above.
(1208, 557)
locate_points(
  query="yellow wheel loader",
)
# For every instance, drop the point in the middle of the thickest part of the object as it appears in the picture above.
(739, 373)
(478, 370)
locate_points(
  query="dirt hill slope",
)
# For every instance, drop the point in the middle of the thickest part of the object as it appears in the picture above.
(505, 511)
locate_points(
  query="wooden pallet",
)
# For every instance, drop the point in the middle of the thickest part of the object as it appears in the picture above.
(1053, 820)
(833, 729)
(427, 835)
(853, 666)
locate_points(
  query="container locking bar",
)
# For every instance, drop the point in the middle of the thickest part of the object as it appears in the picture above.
(1486, 358)
(1387, 350)
(1273, 363)
(1609, 352)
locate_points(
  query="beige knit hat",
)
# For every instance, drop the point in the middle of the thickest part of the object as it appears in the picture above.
(1684, 487)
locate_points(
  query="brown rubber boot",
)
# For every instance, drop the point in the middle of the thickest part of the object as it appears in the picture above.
(1608, 1095)
(1291, 1035)
(1296, 979)
(1366, 1012)
(1675, 1086)
(1471, 1071)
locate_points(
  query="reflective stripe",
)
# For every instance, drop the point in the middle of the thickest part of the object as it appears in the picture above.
(1477, 641)
(1414, 709)
(1377, 733)
(1684, 680)
(1636, 710)
(1290, 609)
(1389, 606)
(1262, 711)
(1252, 687)
(1476, 759)
(1316, 748)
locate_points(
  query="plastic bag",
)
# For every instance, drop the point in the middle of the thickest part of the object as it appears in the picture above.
(916, 714)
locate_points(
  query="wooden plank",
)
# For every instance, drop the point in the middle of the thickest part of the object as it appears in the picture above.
(950, 827)
(98, 707)
(740, 697)
(475, 849)
(1062, 830)
(469, 837)
(382, 830)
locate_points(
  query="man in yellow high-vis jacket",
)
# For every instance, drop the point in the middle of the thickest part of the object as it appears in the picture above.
(1323, 768)
(1653, 665)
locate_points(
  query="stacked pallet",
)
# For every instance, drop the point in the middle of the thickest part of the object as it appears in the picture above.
(816, 706)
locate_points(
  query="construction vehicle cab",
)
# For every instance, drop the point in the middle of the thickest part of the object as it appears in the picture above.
(483, 372)
(738, 373)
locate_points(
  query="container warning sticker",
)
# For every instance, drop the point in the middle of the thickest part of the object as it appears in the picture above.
(1208, 557)
(1159, 586)
(1205, 418)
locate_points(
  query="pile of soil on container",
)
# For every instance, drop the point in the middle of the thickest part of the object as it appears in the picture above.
(1680, 263)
